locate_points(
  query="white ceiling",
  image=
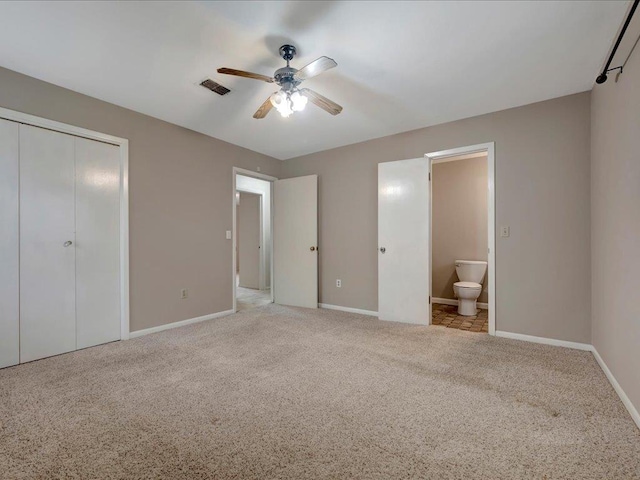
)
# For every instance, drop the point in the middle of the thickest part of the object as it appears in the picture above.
(401, 65)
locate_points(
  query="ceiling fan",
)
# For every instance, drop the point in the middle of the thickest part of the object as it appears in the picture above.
(290, 98)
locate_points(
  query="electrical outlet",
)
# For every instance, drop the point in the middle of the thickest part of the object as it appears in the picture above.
(339, 283)
(184, 293)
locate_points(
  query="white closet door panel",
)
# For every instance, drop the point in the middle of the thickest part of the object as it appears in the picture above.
(9, 247)
(97, 242)
(47, 266)
(295, 241)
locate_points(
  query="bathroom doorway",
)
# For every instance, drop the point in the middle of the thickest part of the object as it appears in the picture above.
(462, 259)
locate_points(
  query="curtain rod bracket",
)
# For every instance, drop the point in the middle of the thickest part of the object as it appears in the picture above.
(603, 76)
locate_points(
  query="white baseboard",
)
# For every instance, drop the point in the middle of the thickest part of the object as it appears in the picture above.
(544, 340)
(182, 323)
(445, 301)
(616, 386)
(589, 348)
(449, 301)
(348, 309)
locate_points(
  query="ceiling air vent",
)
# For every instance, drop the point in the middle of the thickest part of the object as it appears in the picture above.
(215, 87)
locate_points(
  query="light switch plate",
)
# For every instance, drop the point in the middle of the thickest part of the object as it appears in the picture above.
(228, 234)
(504, 231)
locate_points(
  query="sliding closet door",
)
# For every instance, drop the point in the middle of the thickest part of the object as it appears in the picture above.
(9, 296)
(97, 242)
(47, 244)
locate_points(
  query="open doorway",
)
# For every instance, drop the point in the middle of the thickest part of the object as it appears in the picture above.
(462, 259)
(252, 240)
(405, 243)
(459, 249)
(288, 243)
(252, 289)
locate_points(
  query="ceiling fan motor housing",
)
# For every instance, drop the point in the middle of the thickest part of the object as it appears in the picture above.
(284, 77)
(287, 52)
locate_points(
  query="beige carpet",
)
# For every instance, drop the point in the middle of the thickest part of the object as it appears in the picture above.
(279, 392)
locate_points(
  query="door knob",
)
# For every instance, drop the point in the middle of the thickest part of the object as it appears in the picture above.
(382, 249)
(68, 243)
(313, 249)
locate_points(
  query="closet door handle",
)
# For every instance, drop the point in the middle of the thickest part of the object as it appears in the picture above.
(68, 243)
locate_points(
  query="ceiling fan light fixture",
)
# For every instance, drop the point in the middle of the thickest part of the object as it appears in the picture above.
(285, 111)
(281, 102)
(298, 101)
(276, 99)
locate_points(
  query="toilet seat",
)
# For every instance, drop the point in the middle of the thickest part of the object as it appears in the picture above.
(472, 285)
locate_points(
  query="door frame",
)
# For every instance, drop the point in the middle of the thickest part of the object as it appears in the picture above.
(234, 239)
(435, 157)
(123, 145)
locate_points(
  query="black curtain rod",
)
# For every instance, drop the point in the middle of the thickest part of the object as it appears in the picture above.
(603, 76)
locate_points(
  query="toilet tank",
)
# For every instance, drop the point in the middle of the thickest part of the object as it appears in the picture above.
(471, 270)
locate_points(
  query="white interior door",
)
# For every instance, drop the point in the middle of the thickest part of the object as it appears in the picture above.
(9, 247)
(295, 241)
(403, 241)
(47, 243)
(97, 243)
(249, 240)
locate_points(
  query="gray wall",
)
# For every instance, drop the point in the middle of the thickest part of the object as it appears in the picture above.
(181, 205)
(459, 221)
(615, 225)
(542, 191)
(180, 199)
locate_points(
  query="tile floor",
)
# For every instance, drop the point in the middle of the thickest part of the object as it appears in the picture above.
(447, 316)
(247, 298)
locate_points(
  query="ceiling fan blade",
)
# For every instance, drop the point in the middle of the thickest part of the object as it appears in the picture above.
(264, 109)
(323, 102)
(316, 67)
(241, 73)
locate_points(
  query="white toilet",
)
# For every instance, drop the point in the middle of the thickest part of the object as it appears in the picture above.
(468, 289)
